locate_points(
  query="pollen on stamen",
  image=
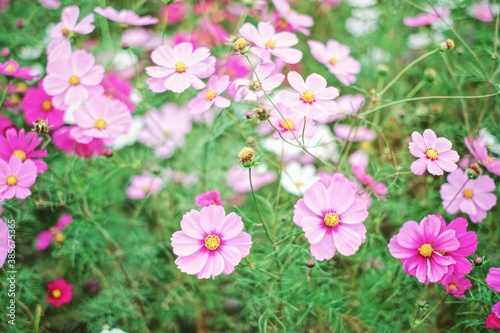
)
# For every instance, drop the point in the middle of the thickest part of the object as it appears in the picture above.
(452, 286)
(431, 154)
(271, 44)
(426, 250)
(331, 220)
(332, 61)
(212, 242)
(19, 153)
(74, 80)
(287, 125)
(46, 106)
(10, 68)
(65, 32)
(210, 95)
(180, 67)
(100, 124)
(307, 96)
(56, 293)
(468, 193)
(11, 180)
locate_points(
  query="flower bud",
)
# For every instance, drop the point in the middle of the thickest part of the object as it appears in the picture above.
(246, 156)
(241, 45)
(41, 126)
(474, 171)
(310, 263)
(382, 69)
(261, 113)
(478, 261)
(430, 75)
(448, 44)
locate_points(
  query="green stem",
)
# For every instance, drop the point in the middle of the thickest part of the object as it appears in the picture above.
(266, 229)
(4, 93)
(406, 68)
(428, 313)
(426, 98)
(416, 89)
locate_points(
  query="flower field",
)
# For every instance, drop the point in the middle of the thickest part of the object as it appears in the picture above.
(249, 166)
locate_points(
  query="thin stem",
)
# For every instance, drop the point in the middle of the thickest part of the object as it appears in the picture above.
(425, 98)
(406, 68)
(428, 313)
(476, 280)
(416, 89)
(4, 93)
(258, 209)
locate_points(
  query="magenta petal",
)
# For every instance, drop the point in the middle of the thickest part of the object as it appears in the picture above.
(44, 239)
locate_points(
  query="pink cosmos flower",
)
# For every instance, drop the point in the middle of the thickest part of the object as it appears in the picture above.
(44, 238)
(11, 68)
(210, 242)
(65, 142)
(482, 12)
(37, 104)
(331, 222)
(5, 123)
(4, 242)
(420, 246)
(267, 42)
(60, 292)
(64, 30)
(336, 58)
(237, 178)
(116, 88)
(456, 285)
(347, 105)
(174, 12)
(468, 245)
(378, 189)
(23, 146)
(288, 18)
(471, 196)
(312, 97)
(211, 95)
(101, 118)
(209, 198)
(165, 130)
(136, 37)
(179, 68)
(252, 90)
(434, 154)
(479, 151)
(493, 279)
(143, 186)
(426, 18)
(125, 16)
(493, 319)
(289, 124)
(73, 79)
(355, 134)
(51, 4)
(16, 178)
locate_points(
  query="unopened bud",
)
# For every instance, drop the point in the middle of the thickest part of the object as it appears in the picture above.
(310, 263)
(41, 127)
(430, 75)
(261, 113)
(108, 152)
(241, 45)
(246, 156)
(448, 44)
(478, 261)
(474, 171)
(382, 69)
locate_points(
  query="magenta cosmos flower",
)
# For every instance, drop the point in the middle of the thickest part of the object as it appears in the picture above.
(51, 4)
(493, 319)
(23, 146)
(434, 154)
(468, 245)
(471, 196)
(4, 242)
(143, 186)
(44, 238)
(179, 68)
(331, 222)
(456, 285)
(16, 178)
(125, 16)
(37, 104)
(267, 42)
(73, 79)
(11, 68)
(60, 292)
(336, 58)
(64, 30)
(289, 19)
(425, 18)
(116, 88)
(209, 198)
(101, 118)
(493, 279)
(480, 153)
(312, 97)
(65, 142)
(210, 242)
(211, 95)
(420, 248)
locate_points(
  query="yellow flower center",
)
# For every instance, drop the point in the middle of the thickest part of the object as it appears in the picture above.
(489, 159)
(11, 180)
(452, 286)
(210, 95)
(10, 68)
(425, 250)
(299, 184)
(431, 153)
(74, 80)
(212, 242)
(307, 96)
(180, 67)
(100, 124)
(271, 44)
(441, 252)
(65, 32)
(167, 133)
(240, 44)
(332, 61)
(19, 153)
(245, 155)
(468, 193)
(56, 293)
(287, 124)
(282, 23)
(21, 87)
(46, 106)
(59, 237)
(331, 220)
(14, 100)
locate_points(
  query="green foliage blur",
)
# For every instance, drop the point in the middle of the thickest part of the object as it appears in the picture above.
(117, 252)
